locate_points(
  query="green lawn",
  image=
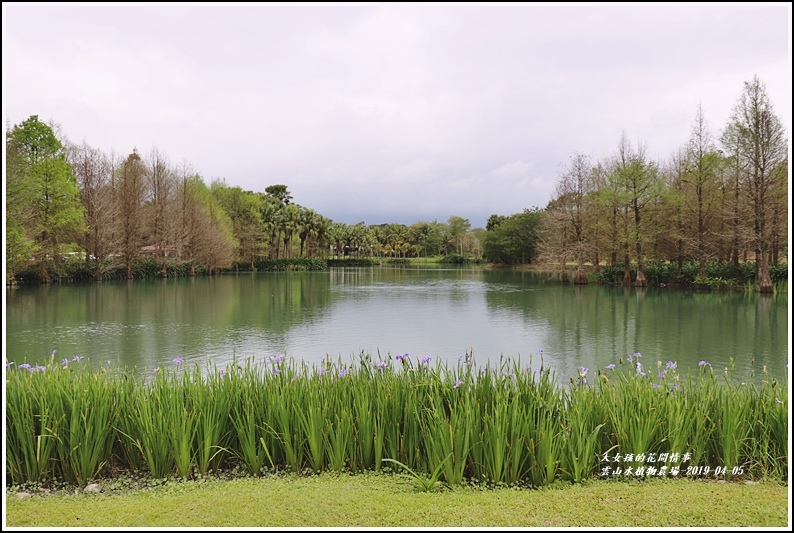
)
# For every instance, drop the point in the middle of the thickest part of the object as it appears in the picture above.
(373, 500)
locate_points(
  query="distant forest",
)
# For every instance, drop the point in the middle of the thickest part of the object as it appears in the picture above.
(719, 198)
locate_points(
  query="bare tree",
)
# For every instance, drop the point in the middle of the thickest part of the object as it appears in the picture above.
(160, 196)
(700, 188)
(757, 137)
(569, 209)
(674, 232)
(637, 178)
(94, 172)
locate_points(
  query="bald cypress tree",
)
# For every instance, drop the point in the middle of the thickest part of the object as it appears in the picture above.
(757, 137)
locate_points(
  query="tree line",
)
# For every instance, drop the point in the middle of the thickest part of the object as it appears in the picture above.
(717, 198)
(67, 201)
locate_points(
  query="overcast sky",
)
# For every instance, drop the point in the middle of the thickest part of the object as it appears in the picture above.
(390, 112)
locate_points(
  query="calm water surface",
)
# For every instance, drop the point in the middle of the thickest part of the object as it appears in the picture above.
(437, 312)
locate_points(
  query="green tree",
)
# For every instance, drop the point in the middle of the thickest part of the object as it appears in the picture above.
(458, 227)
(493, 221)
(34, 141)
(43, 181)
(309, 226)
(280, 193)
(426, 237)
(514, 239)
(397, 240)
(270, 210)
(207, 236)
(289, 224)
(245, 211)
(20, 246)
(322, 236)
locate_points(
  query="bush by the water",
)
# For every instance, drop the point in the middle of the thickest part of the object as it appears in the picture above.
(496, 424)
(283, 265)
(718, 274)
(456, 259)
(352, 262)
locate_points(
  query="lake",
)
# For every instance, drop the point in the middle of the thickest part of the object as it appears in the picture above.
(386, 311)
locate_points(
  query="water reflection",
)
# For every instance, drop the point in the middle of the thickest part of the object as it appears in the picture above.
(440, 312)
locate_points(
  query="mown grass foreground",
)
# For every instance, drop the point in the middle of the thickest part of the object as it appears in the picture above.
(382, 500)
(504, 424)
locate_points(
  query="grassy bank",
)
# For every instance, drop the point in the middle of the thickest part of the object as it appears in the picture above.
(381, 500)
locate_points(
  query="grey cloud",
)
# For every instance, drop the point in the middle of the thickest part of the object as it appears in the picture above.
(415, 112)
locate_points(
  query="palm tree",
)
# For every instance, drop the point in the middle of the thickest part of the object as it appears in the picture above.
(289, 221)
(309, 223)
(324, 226)
(270, 222)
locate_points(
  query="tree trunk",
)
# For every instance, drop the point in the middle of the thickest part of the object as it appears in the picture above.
(44, 275)
(626, 271)
(580, 277)
(640, 281)
(764, 279)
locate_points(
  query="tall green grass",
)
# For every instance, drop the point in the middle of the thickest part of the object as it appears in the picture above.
(497, 424)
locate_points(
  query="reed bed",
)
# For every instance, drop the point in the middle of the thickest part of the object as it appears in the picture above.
(499, 424)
